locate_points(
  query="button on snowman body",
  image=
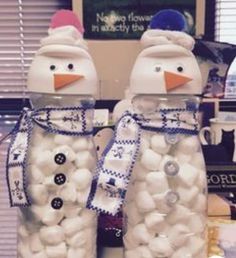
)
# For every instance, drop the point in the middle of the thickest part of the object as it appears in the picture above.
(61, 153)
(165, 205)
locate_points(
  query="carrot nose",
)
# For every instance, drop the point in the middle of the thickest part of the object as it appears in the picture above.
(174, 80)
(62, 80)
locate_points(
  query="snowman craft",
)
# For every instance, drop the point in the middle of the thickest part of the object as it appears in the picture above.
(51, 156)
(154, 160)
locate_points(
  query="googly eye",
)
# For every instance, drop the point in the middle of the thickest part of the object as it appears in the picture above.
(180, 69)
(53, 67)
(157, 68)
(70, 67)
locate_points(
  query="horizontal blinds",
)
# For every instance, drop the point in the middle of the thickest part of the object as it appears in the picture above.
(22, 24)
(225, 30)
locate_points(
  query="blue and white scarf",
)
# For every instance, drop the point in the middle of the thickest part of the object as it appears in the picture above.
(57, 120)
(115, 166)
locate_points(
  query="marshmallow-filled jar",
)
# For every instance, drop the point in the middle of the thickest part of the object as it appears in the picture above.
(52, 155)
(165, 205)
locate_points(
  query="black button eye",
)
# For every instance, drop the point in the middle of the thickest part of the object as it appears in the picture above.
(98, 148)
(52, 67)
(157, 69)
(60, 158)
(57, 203)
(70, 66)
(180, 69)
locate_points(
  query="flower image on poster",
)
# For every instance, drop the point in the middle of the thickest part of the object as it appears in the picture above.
(128, 19)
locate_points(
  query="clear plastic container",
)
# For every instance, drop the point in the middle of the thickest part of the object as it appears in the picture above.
(59, 176)
(166, 202)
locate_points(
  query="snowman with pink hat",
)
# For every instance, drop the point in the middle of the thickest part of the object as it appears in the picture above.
(50, 177)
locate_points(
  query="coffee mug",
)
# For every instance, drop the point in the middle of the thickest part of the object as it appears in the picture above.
(221, 132)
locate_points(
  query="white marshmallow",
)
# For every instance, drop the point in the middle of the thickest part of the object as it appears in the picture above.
(22, 231)
(178, 235)
(139, 186)
(160, 247)
(71, 210)
(84, 159)
(200, 204)
(63, 139)
(151, 160)
(41, 254)
(49, 182)
(157, 182)
(144, 144)
(38, 193)
(132, 253)
(82, 197)
(82, 178)
(77, 253)
(159, 144)
(89, 217)
(189, 145)
(182, 253)
(197, 223)
(141, 234)
(66, 150)
(154, 220)
(130, 194)
(144, 252)
(52, 235)
(144, 202)
(182, 157)
(78, 240)
(68, 193)
(35, 175)
(161, 203)
(195, 244)
(188, 174)
(188, 195)
(139, 172)
(202, 179)
(37, 212)
(134, 216)
(23, 249)
(45, 160)
(51, 216)
(80, 144)
(35, 243)
(179, 213)
(72, 225)
(129, 241)
(198, 161)
(57, 251)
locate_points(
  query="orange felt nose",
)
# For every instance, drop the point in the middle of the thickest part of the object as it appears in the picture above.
(174, 80)
(61, 80)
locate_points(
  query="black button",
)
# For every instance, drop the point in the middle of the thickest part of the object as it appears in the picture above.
(60, 179)
(60, 158)
(57, 203)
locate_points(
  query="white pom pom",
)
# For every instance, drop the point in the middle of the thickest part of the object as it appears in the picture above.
(151, 160)
(72, 225)
(160, 247)
(157, 182)
(145, 202)
(141, 234)
(52, 235)
(159, 144)
(35, 243)
(80, 144)
(81, 178)
(57, 251)
(38, 193)
(63, 139)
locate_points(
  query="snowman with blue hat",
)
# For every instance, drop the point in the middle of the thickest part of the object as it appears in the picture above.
(162, 167)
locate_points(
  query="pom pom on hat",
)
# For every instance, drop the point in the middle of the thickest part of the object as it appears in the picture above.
(64, 18)
(169, 20)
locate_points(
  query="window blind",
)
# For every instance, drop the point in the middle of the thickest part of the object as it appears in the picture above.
(22, 24)
(225, 29)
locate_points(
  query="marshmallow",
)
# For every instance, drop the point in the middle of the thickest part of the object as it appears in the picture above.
(145, 202)
(202, 179)
(151, 160)
(82, 197)
(132, 253)
(35, 175)
(51, 217)
(37, 212)
(178, 213)
(57, 251)
(72, 225)
(49, 182)
(84, 159)
(77, 253)
(52, 235)
(35, 243)
(187, 195)
(144, 144)
(178, 235)
(78, 240)
(157, 182)
(130, 194)
(159, 144)
(80, 144)
(23, 232)
(45, 160)
(141, 234)
(200, 204)
(38, 193)
(188, 174)
(63, 139)
(139, 172)
(66, 150)
(68, 193)
(161, 204)
(41, 254)
(144, 252)
(134, 215)
(184, 252)
(82, 178)
(160, 247)
(71, 210)
(197, 223)
(129, 241)
(88, 217)
(154, 219)
(182, 157)
(139, 186)
(23, 249)
(188, 145)
(195, 244)
(198, 161)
